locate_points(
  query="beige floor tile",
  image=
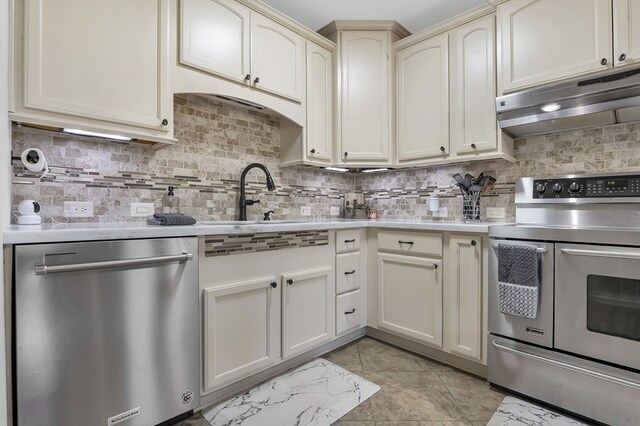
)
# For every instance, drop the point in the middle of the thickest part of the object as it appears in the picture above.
(347, 357)
(418, 395)
(379, 356)
(475, 396)
(195, 420)
(355, 423)
(360, 413)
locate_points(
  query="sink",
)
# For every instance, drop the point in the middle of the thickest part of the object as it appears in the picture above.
(248, 222)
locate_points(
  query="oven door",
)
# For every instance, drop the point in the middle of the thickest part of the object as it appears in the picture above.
(597, 310)
(539, 330)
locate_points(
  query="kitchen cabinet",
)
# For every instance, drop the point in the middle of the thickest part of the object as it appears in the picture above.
(547, 40)
(241, 330)
(319, 129)
(227, 39)
(350, 279)
(626, 32)
(307, 310)
(349, 312)
(463, 297)
(94, 65)
(422, 72)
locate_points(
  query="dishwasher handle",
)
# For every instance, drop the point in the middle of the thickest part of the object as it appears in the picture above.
(44, 269)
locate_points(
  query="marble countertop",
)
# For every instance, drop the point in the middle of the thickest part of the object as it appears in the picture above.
(50, 233)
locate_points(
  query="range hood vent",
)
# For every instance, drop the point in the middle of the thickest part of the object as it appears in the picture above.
(603, 99)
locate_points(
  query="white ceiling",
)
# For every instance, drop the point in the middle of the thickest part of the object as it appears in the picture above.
(415, 15)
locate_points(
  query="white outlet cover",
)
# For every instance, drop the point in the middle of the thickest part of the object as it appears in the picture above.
(78, 209)
(305, 211)
(443, 212)
(142, 209)
(495, 213)
(335, 211)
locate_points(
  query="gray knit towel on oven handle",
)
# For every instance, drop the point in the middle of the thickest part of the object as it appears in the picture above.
(170, 219)
(518, 280)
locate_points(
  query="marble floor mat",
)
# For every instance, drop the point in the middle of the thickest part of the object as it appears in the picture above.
(317, 393)
(516, 412)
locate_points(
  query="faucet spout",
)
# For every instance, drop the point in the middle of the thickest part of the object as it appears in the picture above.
(243, 198)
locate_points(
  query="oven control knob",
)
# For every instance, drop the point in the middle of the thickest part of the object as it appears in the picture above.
(541, 188)
(557, 187)
(574, 187)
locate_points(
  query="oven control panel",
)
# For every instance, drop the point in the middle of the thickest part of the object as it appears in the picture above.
(587, 187)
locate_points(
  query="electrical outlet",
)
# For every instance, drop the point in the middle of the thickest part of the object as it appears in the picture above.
(443, 212)
(305, 211)
(142, 209)
(78, 209)
(335, 211)
(495, 213)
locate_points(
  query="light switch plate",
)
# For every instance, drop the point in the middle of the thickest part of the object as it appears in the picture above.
(495, 213)
(78, 209)
(335, 211)
(305, 211)
(142, 209)
(443, 212)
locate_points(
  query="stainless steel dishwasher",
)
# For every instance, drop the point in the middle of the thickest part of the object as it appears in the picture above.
(106, 332)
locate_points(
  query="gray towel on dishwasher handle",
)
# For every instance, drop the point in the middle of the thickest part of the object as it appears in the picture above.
(170, 219)
(518, 280)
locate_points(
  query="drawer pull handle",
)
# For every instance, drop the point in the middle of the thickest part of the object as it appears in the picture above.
(350, 312)
(274, 284)
(350, 241)
(350, 273)
(290, 281)
(405, 242)
(435, 266)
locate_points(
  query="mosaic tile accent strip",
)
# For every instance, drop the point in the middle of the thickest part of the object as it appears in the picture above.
(224, 245)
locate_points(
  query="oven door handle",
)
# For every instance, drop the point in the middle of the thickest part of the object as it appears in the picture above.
(602, 253)
(539, 250)
(566, 366)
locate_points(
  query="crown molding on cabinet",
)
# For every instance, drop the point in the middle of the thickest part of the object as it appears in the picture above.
(345, 25)
(279, 17)
(496, 2)
(448, 25)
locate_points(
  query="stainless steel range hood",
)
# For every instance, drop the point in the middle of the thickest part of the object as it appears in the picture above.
(598, 100)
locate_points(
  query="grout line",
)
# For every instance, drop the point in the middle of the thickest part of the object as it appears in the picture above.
(453, 396)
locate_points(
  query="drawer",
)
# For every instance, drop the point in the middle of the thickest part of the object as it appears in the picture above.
(347, 240)
(347, 272)
(429, 243)
(348, 312)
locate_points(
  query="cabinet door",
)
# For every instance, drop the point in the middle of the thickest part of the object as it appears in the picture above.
(97, 59)
(410, 297)
(364, 102)
(215, 37)
(626, 36)
(277, 59)
(463, 297)
(547, 40)
(319, 103)
(422, 73)
(241, 330)
(473, 87)
(308, 306)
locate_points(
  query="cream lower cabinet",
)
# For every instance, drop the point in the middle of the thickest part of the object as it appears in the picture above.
(463, 297)
(410, 297)
(308, 302)
(241, 330)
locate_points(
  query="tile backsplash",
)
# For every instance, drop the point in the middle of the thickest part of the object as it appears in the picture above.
(217, 139)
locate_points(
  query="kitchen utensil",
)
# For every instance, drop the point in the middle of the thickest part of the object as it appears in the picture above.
(488, 184)
(458, 178)
(469, 180)
(463, 189)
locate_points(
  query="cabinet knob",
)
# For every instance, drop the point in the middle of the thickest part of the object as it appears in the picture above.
(473, 146)
(290, 281)
(247, 77)
(473, 243)
(346, 154)
(274, 284)
(435, 266)
(603, 61)
(313, 151)
(165, 121)
(257, 80)
(622, 57)
(443, 149)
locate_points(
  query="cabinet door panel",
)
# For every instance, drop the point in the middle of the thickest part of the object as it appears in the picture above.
(423, 99)
(410, 297)
(107, 68)
(308, 300)
(319, 103)
(276, 58)
(473, 87)
(547, 40)
(241, 330)
(365, 96)
(626, 25)
(215, 37)
(463, 297)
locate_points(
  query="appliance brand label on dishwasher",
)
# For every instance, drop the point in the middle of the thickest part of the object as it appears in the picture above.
(123, 416)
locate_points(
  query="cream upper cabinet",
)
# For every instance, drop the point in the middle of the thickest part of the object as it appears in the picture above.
(422, 73)
(473, 87)
(215, 37)
(463, 297)
(100, 65)
(626, 35)
(364, 96)
(547, 40)
(224, 38)
(319, 129)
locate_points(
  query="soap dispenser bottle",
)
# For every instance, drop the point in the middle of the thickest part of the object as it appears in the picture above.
(170, 203)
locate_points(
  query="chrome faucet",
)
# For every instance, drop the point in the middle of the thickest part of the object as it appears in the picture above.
(243, 198)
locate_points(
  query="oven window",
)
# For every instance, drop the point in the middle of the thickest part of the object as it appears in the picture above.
(613, 306)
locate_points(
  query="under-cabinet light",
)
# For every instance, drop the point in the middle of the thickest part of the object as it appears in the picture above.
(97, 135)
(374, 170)
(336, 169)
(551, 107)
